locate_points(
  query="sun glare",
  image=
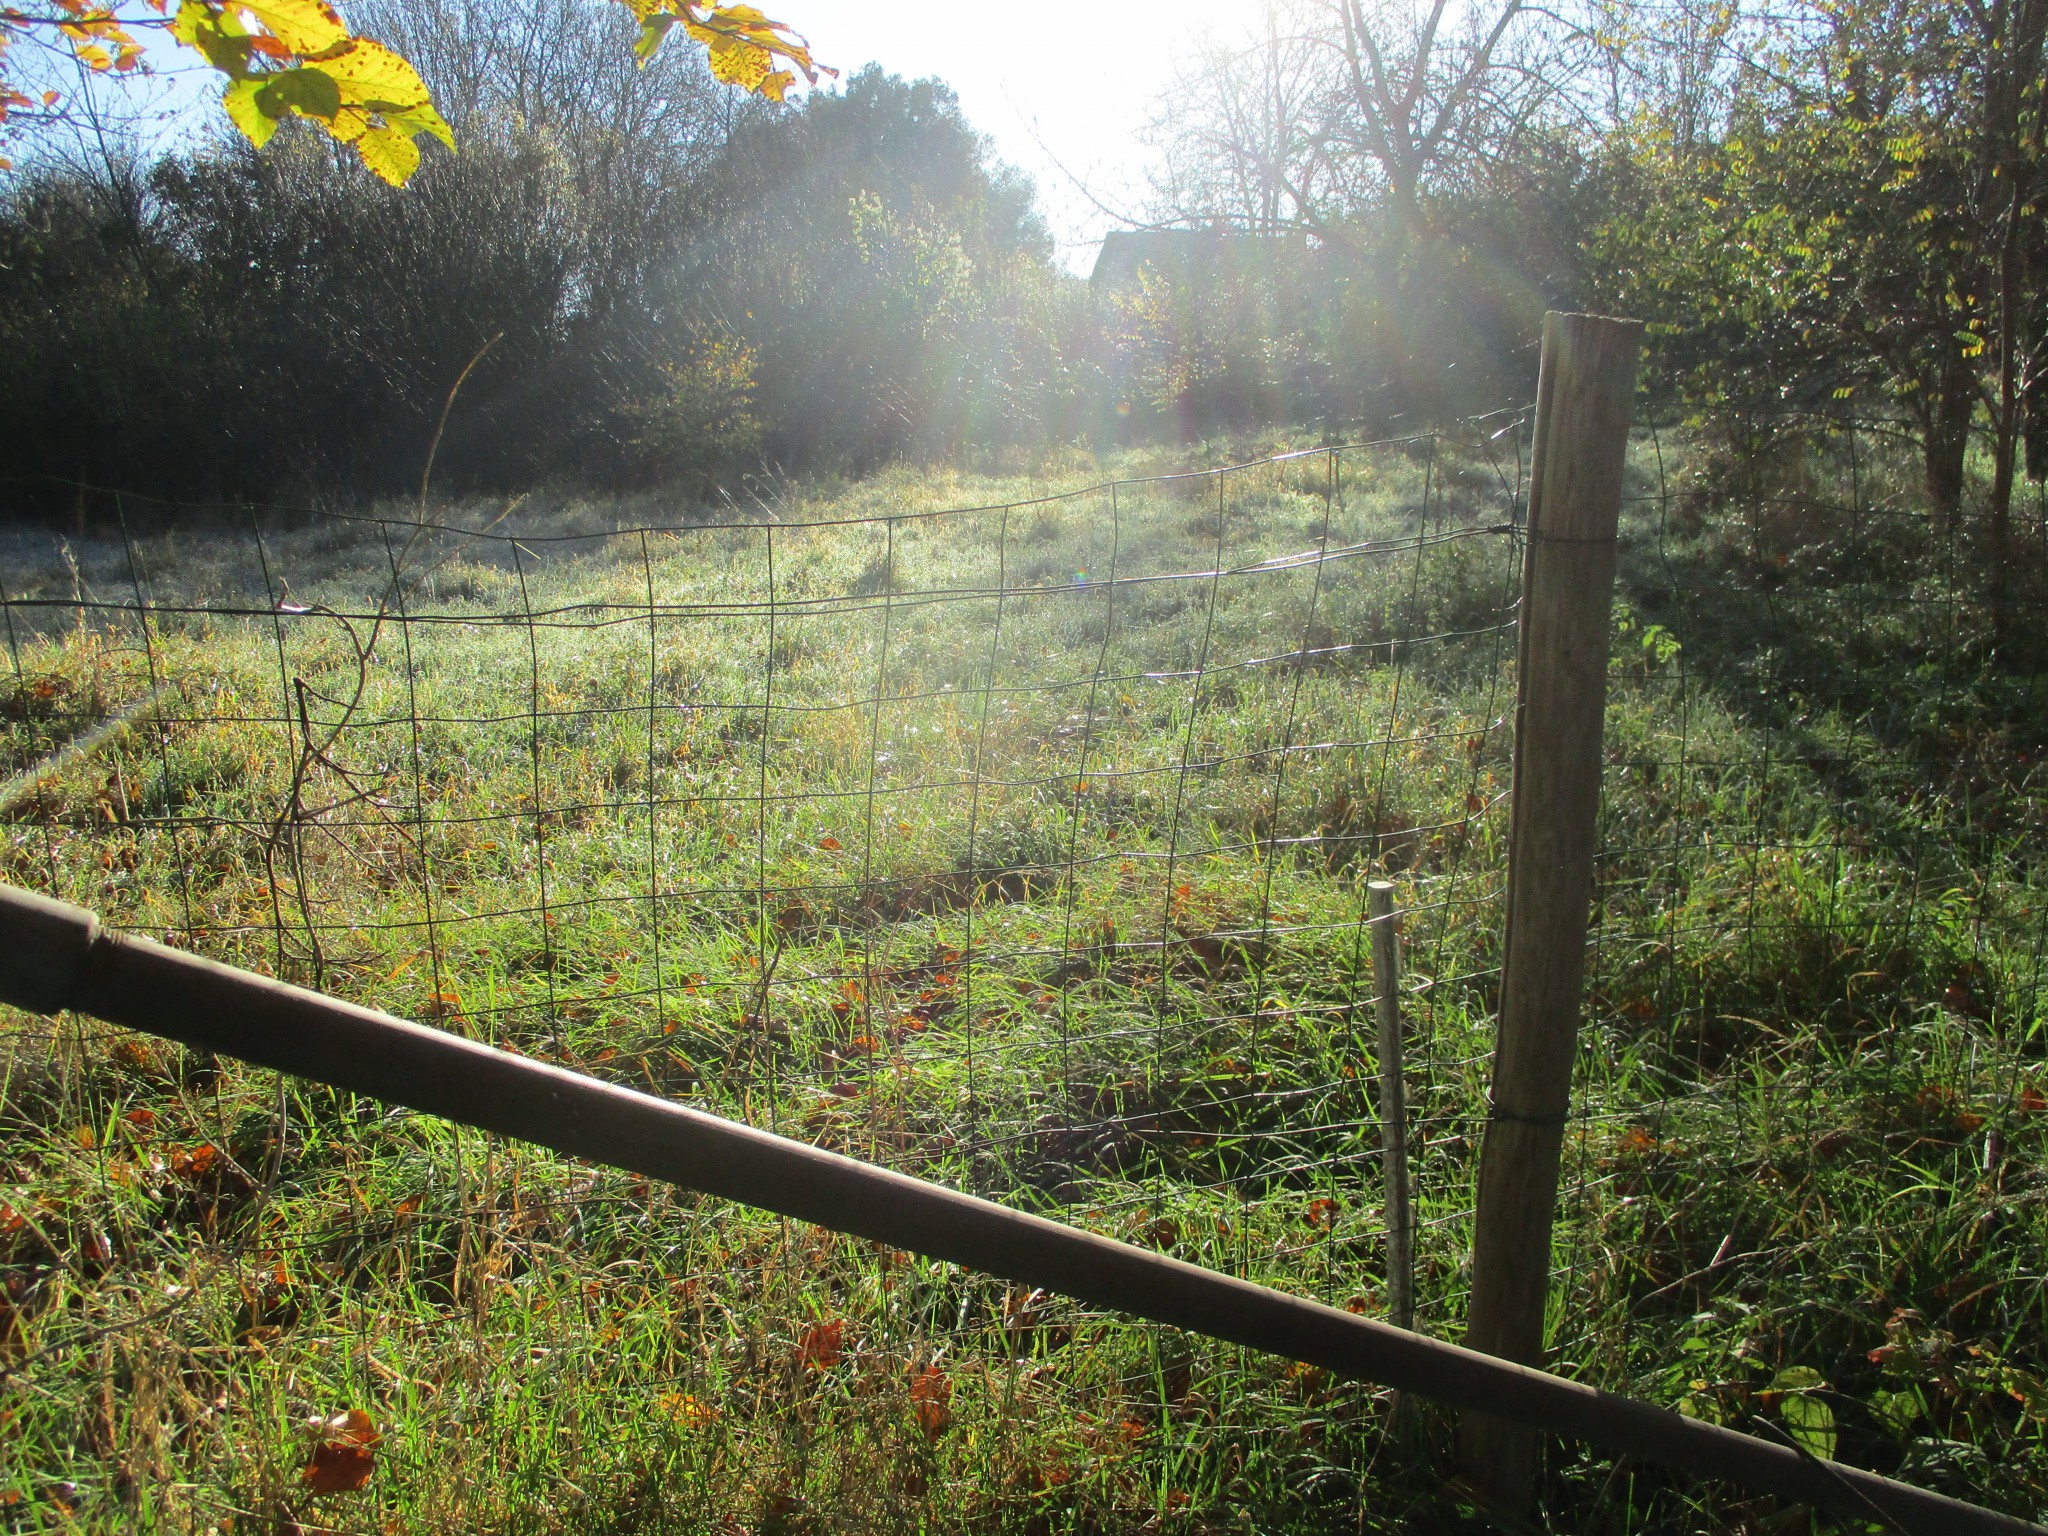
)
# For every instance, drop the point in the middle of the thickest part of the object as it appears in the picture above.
(1067, 105)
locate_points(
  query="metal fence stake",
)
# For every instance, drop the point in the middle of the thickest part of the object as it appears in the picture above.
(1400, 1215)
(1584, 393)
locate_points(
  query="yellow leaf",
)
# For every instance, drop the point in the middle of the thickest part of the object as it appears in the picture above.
(734, 60)
(422, 119)
(218, 35)
(685, 1410)
(371, 75)
(374, 78)
(350, 124)
(240, 105)
(362, 92)
(391, 153)
(742, 43)
(303, 26)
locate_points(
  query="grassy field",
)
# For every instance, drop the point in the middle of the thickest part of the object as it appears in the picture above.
(1022, 848)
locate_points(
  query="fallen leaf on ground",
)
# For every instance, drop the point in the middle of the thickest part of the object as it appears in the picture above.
(194, 1162)
(821, 1343)
(685, 1410)
(931, 1399)
(345, 1455)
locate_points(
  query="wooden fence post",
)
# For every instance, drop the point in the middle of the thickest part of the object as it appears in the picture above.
(1585, 389)
(1386, 965)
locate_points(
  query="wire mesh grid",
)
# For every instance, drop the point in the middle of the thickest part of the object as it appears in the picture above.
(1021, 846)
(1810, 1095)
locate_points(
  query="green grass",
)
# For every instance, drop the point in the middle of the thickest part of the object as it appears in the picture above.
(971, 861)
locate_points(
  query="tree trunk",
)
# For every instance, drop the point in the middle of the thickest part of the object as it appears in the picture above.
(1948, 434)
(2033, 301)
(2007, 435)
(2036, 410)
(2028, 22)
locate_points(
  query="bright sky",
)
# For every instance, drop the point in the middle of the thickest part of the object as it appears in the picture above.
(1054, 86)
(1065, 92)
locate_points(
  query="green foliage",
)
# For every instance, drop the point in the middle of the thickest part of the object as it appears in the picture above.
(1859, 225)
(698, 419)
(1206, 347)
(893, 279)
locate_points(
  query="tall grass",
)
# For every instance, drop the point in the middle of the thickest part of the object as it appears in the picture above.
(1021, 848)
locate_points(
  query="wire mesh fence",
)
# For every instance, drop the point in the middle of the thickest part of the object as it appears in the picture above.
(1024, 846)
(1810, 1095)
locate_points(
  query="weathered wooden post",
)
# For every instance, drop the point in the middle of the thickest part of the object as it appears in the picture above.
(1584, 391)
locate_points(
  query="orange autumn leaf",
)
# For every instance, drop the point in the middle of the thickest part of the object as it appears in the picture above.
(821, 1344)
(931, 1400)
(829, 843)
(686, 1410)
(345, 1454)
(194, 1162)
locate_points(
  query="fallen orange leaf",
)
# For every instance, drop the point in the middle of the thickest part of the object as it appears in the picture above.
(194, 1162)
(345, 1455)
(820, 1345)
(931, 1399)
(685, 1410)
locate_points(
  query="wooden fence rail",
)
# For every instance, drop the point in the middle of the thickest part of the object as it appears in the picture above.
(54, 957)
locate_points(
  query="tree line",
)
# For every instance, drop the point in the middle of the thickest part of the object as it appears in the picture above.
(667, 279)
(1821, 206)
